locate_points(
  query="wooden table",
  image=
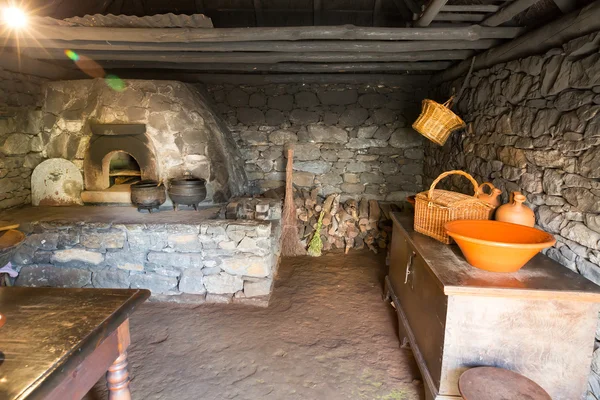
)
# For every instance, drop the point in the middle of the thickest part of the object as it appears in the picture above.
(57, 343)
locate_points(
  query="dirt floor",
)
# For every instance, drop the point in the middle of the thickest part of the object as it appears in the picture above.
(326, 335)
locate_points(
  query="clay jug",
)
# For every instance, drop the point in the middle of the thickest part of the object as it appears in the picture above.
(516, 212)
(492, 198)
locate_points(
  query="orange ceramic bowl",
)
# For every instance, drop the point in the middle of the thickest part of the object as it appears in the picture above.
(497, 246)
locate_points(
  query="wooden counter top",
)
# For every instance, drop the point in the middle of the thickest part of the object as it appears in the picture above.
(541, 277)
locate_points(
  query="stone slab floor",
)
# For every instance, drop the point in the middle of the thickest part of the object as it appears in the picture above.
(326, 335)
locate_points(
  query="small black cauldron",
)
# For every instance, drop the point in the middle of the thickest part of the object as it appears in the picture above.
(148, 194)
(188, 191)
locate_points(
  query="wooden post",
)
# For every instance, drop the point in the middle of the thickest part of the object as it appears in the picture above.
(117, 377)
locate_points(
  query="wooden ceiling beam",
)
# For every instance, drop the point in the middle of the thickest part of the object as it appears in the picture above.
(552, 35)
(431, 10)
(507, 13)
(187, 35)
(260, 57)
(566, 6)
(377, 46)
(25, 65)
(415, 81)
(284, 67)
(459, 17)
(258, 13)
(486, 8)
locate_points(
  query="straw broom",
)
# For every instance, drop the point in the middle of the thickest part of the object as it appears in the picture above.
(290, 242)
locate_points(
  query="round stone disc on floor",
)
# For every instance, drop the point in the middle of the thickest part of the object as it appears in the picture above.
(56, 182)
(490, 383)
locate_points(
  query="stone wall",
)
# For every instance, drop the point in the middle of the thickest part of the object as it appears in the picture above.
(20, 144)
(187, 135)
(349, 139)
(534, 127)
(215, 261)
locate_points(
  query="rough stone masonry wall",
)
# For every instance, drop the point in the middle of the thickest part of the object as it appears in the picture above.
(534, 127)
(216, 261)
(20, 141)
(350, 139)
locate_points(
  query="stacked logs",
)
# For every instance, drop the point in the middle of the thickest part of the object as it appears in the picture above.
(347, 225)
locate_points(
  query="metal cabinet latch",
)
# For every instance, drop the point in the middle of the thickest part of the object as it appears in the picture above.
(409, 266)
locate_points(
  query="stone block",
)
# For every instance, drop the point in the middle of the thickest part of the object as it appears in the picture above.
(213, 298)
(383, 133)
(237, 98)
(356, 143)
(43, 241)
(157, 284)
(306, 152)
(366, 132)
(372, 100)
(110, 278)
(184, 243)
(257, 100)
(352, 188)
(366, 177)
(357, 166)
(143, 240)
(353, 117)
(256, 289)
(112, 239)
(16, 144)
(552, 182)
(192, 281)
(282, 136)
(338, 97)
(303, 117)
(244, 265)
(582, 199)
(404, 138)
(223, 283)
(77, 257)
(306, 99)
(589, 163)
(250, 116)
(579, 233)
(315, 167)
(274, 118)
(283, 103)
(592, 221)
(254, 138)
(126, 260)
(327, 134)
(47, 275)
(383, 116)
(178, 260)
(332, 178)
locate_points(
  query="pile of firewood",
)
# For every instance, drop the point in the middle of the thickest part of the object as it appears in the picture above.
(352, 224)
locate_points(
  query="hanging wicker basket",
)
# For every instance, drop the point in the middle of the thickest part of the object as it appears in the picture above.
(435, 207)
(437, 121)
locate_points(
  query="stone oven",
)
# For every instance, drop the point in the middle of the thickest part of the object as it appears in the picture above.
(148, 130)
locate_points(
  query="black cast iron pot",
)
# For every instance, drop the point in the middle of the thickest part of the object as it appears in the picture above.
(148, 194)
(187, 191)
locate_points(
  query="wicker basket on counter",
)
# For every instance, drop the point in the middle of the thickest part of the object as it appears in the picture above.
(437, 121)
(435, 207)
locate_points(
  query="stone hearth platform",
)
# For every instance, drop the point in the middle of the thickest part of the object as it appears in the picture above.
(184, 256)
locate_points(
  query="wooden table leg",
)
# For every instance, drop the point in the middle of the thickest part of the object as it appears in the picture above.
(117, 377)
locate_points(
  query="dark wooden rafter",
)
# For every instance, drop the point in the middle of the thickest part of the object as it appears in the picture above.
(317, 12)
(343, 32)
(461, 17)
(566, 6)
(373, 46)
(554, 34)
(199, 4)
(258, 13)
(280, 67)
(483, 8)
(430, 12)
(25, 65)
(405, 81)
(404, 9)
(263, 57)
(507, 13)
(377, 13)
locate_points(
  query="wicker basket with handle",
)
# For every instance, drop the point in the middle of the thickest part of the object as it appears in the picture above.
(437, 121)
(435, 207)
